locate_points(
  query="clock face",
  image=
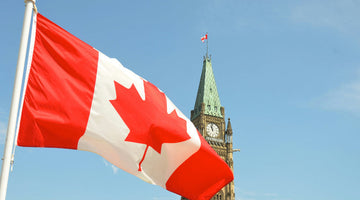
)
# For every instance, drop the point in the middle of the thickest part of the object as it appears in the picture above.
(212, 130)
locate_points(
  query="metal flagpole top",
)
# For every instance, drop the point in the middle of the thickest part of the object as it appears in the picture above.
(34, 4)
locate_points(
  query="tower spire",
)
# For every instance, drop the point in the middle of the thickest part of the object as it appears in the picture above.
(207, 99)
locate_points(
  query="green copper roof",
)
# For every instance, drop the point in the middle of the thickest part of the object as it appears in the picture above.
(207, 92)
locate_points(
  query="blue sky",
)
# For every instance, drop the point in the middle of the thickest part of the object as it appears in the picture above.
(287, 72)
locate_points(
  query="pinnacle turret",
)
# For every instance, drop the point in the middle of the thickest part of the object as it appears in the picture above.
(228, 133)
(229, 129)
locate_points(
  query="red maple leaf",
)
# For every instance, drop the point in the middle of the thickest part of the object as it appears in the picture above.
(148, 120)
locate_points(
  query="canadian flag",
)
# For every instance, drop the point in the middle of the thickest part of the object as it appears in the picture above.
(203, 38)
(78, 98)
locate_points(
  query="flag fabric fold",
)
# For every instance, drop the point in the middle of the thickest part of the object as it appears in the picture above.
(78, 98)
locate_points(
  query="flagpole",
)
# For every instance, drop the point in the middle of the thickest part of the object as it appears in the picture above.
(207, 46)
(9, 142)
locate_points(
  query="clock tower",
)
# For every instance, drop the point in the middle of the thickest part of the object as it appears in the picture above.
(208, 117)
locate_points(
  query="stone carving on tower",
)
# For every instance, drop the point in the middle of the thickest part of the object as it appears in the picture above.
(208, 117)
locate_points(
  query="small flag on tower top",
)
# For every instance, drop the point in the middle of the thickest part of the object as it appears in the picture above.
(203, 38)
